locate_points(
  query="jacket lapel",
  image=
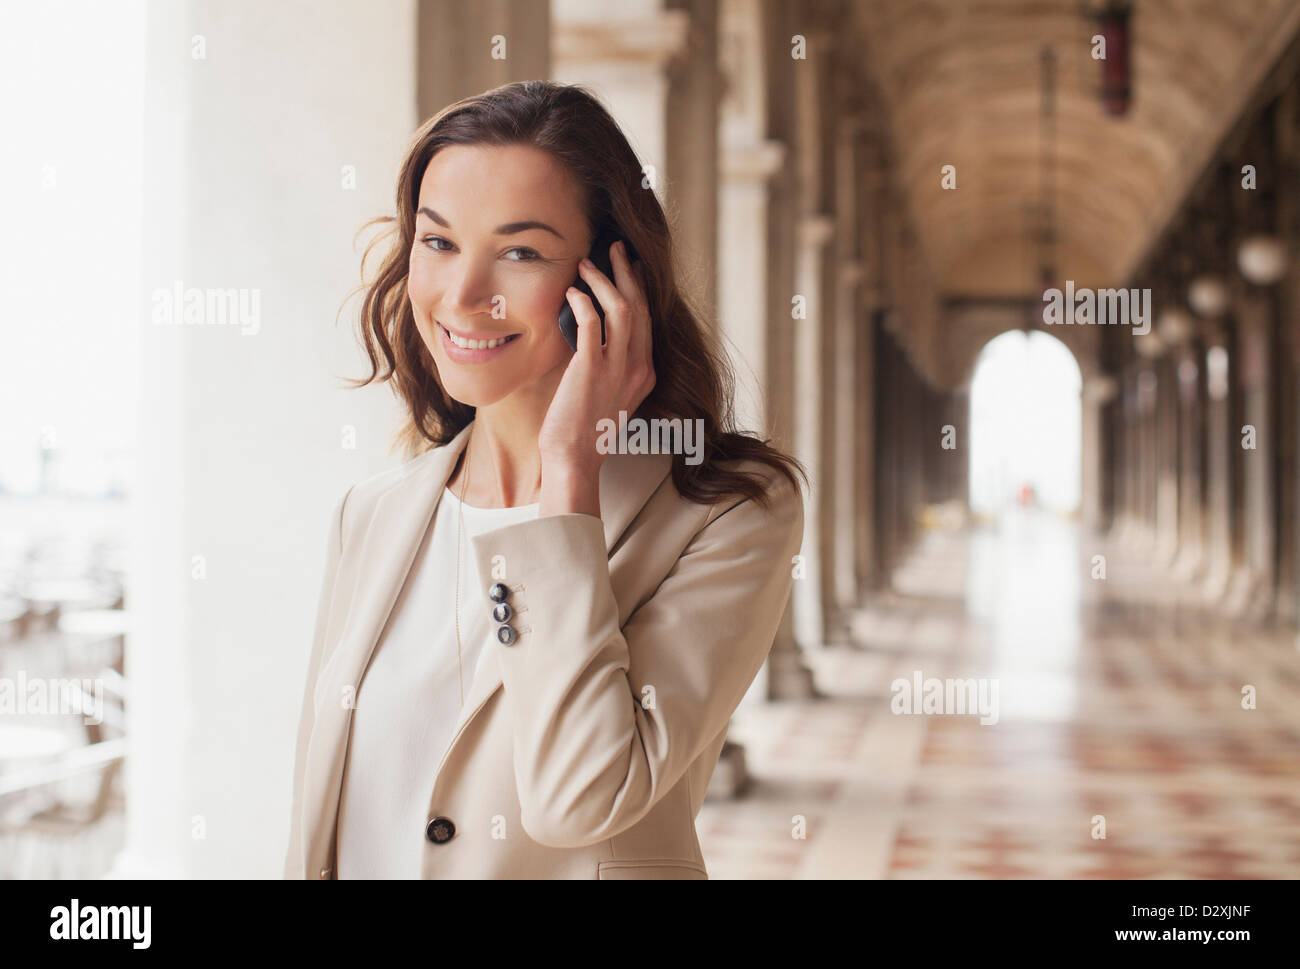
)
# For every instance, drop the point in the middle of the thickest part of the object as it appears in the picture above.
(402, 516)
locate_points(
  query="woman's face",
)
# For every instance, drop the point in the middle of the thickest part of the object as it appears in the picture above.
(499, 232)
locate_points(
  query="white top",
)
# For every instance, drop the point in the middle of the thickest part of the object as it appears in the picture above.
(409, 699)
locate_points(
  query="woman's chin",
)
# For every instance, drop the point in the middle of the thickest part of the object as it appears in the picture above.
(473, 394)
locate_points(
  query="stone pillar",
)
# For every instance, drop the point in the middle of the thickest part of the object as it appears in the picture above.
(846, 379)
(620, 52)
(1254, 581)
(1287, 367)
(813, 235)
(814, 327)
(865, 565)
(1191, 456)
(1098, 390)
(871, 186)
(694, 83)
(1219, 442)
(742, 263)
(262, 157)
(465, 49)
(849, 422)
(1165, 459)
(1288, 466)
(1122, 473)
(1147, 395)
(889, 378)
(748, 162)
(1289, 432)
(1126, 469)
(788, 676)
(960, 409)
(917, 429)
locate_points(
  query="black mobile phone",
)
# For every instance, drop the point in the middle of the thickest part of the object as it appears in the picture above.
(600, 256)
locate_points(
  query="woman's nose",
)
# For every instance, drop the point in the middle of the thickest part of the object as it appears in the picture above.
(470, 290)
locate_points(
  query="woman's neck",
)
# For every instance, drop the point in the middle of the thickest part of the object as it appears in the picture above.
(500, 463)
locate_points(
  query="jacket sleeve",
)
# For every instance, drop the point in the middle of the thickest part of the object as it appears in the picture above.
(294, 862)
(592, 754)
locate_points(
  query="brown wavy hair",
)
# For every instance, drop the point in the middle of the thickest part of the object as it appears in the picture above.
(693, 379)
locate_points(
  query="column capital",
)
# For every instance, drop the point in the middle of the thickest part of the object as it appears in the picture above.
(641, 41)
(1100, 388)
(755, 162)
(815, 229)
(852, 272)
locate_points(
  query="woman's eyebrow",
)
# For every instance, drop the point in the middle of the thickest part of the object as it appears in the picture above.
(510, 228)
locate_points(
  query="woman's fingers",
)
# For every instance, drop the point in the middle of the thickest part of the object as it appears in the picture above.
(640, 349)
(615, 304)
(629, 350)
(647, 335)
(629, 282)
(588, 323)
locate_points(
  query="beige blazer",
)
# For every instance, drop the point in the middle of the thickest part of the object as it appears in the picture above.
(585, 748)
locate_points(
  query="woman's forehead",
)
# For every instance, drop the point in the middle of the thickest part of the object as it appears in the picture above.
(495, 180)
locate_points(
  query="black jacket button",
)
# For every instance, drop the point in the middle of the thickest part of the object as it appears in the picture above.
(498, 593)
(440, 830)
(502, 613)
(506, 634)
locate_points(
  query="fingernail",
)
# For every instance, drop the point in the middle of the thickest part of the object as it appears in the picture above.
(587, 263)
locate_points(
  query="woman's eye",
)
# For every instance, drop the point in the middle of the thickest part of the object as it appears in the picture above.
(524, 253)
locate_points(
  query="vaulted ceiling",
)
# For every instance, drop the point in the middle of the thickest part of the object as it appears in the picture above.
(961, 79)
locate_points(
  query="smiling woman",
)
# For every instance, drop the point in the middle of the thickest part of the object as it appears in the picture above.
(625, 600)
(499, 197)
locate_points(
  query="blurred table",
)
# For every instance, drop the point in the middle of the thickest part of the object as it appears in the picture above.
(87, 629)
(95, 623)
(69, 594)
(22, 743)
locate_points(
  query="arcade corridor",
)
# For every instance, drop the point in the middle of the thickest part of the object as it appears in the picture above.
(1115, 701)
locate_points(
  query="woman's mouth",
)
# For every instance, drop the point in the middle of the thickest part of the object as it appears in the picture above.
(473, 351)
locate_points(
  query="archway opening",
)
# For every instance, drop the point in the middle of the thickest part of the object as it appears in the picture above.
(1025, 426)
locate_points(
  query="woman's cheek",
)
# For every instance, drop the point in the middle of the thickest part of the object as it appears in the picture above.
(417, 286)
(541, 312)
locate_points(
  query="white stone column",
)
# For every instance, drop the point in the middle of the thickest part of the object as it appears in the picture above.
(693, 152)
(270, 136)
(814, 232)
(620, 51)
(1191, 517)
(463, 49)
(1219, 441)
(1257, 499)
(747, 162)
(848, 441)
(742, 271)
(1098, 390)
(1165, 461)
(845, 377)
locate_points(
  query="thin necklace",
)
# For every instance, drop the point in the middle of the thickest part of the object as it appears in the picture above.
(460, 519)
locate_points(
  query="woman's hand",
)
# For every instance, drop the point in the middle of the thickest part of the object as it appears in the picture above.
(597, 384)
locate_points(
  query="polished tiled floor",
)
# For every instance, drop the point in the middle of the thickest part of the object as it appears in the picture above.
(1116, 705)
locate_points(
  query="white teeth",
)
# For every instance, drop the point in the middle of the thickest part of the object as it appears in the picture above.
(474, 344)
